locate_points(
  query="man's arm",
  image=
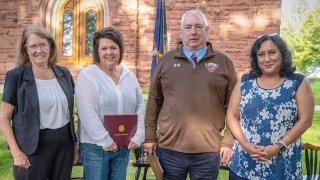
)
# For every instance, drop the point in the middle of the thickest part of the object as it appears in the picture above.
(227, 141)
(154, 105)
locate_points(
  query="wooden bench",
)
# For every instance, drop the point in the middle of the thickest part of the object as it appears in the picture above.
(312, 160)
(140, 162)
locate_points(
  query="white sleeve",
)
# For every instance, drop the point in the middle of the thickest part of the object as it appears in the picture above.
(139, 136)
(87, 96)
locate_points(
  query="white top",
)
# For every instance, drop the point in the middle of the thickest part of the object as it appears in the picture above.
(97, 95)
(53, 103)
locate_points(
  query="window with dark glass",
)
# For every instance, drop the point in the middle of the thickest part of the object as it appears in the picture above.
(67, 33)
(91, 21)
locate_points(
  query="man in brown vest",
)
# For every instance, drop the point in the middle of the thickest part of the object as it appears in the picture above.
(189, 94)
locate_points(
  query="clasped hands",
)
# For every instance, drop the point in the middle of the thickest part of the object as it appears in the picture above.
(261, 153)
(114, 147)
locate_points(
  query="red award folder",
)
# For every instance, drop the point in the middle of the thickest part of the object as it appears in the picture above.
(121, 128)
(156, 166)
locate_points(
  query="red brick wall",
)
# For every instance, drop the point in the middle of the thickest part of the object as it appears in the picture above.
(233, 27)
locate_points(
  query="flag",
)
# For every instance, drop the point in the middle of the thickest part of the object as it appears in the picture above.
(160, 42)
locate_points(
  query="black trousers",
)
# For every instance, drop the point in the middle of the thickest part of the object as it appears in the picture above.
(52, 159)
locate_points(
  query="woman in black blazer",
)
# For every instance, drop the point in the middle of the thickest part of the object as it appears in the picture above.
(38, 99)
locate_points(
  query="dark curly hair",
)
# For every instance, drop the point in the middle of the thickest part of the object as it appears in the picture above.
(109, 33)
(286, 68)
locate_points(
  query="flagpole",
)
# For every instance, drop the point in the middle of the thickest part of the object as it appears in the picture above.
(160, 42)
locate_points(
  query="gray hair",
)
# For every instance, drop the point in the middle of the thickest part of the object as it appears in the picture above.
(197, 13)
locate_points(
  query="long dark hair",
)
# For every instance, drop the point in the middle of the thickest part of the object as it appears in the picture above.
(286, 68)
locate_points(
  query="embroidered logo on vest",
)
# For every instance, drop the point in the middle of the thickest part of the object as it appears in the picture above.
(211, 66)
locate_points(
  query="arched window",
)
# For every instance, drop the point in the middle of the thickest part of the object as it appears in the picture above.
(74, 24)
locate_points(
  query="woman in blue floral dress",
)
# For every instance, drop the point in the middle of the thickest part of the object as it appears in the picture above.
(269, 110)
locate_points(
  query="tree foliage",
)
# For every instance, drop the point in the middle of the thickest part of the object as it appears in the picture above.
(304, 41)
(307, 54)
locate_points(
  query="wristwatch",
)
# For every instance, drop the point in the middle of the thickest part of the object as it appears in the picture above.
(282, 146)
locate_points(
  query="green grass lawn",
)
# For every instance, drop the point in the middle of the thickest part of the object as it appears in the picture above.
(145, 91)
(315, 85)
(312, 135)
(5, 160)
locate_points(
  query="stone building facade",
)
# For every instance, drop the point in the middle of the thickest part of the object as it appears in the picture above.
(233, 27)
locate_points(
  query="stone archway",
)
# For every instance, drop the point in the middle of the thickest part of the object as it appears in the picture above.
(73, 23)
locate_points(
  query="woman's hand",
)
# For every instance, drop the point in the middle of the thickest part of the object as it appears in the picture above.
(261, 153)
(132, 145)
(270, 151)
(255, 151)
(112, 148)
(21, 160)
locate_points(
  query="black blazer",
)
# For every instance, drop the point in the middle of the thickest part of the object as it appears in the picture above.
(20, 90)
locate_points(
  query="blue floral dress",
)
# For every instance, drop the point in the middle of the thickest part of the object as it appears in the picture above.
(266, 115)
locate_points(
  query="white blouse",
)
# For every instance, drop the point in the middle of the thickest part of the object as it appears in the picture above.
(53, 103)
(97, 95)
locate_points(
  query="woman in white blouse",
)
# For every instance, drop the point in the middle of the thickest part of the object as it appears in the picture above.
(37, 108)
(106, 88)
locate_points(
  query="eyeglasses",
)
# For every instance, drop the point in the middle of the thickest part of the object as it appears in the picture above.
(272, 34)
(198, 27)
(42, 46)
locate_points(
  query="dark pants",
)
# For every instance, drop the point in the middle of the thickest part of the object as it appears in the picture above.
(52, 159)
(177, 165)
